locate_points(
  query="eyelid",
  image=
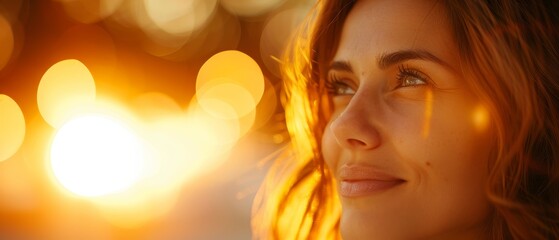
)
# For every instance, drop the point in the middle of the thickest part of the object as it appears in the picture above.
(405, 72)
(335, 83)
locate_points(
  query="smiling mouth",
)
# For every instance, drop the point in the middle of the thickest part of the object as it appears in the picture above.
(364, 187)
(358, 181)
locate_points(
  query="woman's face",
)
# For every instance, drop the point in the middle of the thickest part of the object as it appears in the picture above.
(408, 142)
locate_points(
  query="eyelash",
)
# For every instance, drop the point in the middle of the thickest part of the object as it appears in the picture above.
(407, 73)
(337, 86)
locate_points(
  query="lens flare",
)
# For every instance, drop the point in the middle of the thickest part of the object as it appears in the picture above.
(427, 114)
(480, 118)
(95, 155)
(65, 89)
(12, 127)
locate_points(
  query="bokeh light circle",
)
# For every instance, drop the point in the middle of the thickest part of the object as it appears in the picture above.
(6, 41)
(12, 127)
(64, 90)
(231, 67)
(220, 99)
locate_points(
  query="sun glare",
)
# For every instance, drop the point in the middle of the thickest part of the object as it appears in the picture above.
(96, 155)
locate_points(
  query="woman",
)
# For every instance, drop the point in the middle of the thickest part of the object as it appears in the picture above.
(420, 120)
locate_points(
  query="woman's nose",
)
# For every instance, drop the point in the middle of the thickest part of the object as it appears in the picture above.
(355, 129)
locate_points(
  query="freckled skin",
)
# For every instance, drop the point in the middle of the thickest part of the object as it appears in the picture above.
(383, 125)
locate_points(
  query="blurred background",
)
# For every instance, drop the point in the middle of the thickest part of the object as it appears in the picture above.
(138, 119)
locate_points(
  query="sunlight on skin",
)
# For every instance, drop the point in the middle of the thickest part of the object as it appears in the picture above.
(12, 127)
(428, 113)
(65, 89)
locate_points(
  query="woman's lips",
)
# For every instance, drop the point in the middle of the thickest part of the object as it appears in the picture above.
(357, 181)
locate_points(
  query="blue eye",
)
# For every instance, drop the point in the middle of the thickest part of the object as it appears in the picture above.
(409, 77)
(337, 86)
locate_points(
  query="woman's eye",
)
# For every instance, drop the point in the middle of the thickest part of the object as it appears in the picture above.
(338, 87)
(341, 88)
(408, 77)
(412, 81)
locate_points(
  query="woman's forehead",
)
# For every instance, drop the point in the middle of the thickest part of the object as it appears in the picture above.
(377, 27)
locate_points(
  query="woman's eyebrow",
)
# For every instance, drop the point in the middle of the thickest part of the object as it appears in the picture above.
(388, 59)
(343, 66)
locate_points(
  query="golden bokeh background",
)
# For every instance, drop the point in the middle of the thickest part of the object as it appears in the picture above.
(138, 119)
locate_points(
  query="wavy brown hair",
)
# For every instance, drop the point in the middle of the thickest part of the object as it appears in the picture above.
(509, 52)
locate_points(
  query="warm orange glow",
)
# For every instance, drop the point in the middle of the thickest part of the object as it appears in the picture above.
(14, 182)
(90, 11)
(267, 106)
(66, 88)
(229, 86)
(177, 152)
(178, 129)
(218, 133)
(276, 34)
(226, 100)
(180, 17)
(6, 41)
(12, 127)
(179, 147)
(124, 172)
(153, 105)
(480, 118)
(250, 7)
(428, 113)
(123, 210)
(95, 155)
